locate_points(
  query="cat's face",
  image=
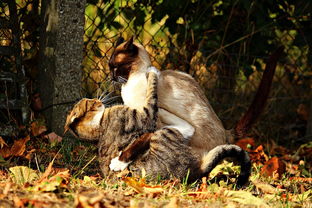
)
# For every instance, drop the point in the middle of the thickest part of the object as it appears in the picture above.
(85, 118)
(127, 59)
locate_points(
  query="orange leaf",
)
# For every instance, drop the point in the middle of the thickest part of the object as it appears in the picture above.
(53, 137)
(46, 173)
(5, 152)
(19, 146)
(2, 143)
(309, 180)
(244, 143)
(141, 187)
(272, 167)
(258, 156)
(37, 129)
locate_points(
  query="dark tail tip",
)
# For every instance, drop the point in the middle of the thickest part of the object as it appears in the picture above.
(245, 171)
(219, 153)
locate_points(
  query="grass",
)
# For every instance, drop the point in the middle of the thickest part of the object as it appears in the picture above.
(83, 186)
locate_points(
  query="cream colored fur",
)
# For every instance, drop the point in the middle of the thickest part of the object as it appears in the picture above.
(181, 96)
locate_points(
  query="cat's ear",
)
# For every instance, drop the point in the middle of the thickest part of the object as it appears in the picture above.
(129, 44)
(120, 40)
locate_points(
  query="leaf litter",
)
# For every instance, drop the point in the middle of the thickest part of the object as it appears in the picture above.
(60, 173)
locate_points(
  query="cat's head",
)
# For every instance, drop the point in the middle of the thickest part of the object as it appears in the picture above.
(85, 118)
(128, 58)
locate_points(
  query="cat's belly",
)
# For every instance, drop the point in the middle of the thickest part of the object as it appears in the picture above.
(180, 95)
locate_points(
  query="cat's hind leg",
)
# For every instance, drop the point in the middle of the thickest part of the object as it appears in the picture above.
(131, 152)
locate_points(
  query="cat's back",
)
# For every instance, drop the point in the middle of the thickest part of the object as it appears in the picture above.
(181, 95)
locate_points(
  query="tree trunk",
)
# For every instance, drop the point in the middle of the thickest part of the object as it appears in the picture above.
(61, 54)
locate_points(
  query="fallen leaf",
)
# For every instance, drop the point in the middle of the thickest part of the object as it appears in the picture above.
(267, 188)
(18, 148)
(141, 187)
(46, 173)
(244, 197)
(23, 174)
(53, 137)
(174, 203)
(258, 156)
(246, 143)
(37, 128)
(2, 143)
(5, 152)
(60, 179)
(309, 180)
(273, 167)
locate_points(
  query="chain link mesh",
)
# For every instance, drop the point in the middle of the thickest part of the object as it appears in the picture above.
(230, 93)
(225, 83)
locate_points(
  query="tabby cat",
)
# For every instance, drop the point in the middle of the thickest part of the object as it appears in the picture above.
(165, 152)
(182, 104)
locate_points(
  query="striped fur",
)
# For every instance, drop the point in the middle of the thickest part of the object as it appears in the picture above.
(168, 153)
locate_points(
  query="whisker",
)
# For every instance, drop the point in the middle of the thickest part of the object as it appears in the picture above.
(109, 99)
(102, 95)
(108, 103)
(121, 79)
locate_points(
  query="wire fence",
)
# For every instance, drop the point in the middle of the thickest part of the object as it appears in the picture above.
(228, 81)
(230, 92)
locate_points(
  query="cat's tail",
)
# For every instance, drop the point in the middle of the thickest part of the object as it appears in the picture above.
(256, 108)
(218, 154)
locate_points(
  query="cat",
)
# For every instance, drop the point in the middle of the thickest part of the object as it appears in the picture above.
(182, 104)
(165, 152)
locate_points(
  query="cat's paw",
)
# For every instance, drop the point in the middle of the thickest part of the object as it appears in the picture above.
(154, 70)
(117, 165)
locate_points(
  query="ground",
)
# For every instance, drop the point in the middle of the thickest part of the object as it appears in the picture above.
(49, 171)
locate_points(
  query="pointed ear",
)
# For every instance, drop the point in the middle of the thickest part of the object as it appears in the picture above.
(120, 40)
(129, 44)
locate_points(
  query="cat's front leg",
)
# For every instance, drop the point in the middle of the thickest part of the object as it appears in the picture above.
(125, 157)
(118, 165)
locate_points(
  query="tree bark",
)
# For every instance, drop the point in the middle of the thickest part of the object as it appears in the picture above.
(61, 54)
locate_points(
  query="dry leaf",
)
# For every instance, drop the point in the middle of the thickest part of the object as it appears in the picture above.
(141, 187)
(244, 197)
(273, 167)
(174, 203)
(267, 188)
(53, 137)
(23, 174)
(2, 143)
(5, 152)
(18, 148)
(258, 156)
(37, 128)
(245, 143)
(46, 173)
(60, 179)
(308, 180)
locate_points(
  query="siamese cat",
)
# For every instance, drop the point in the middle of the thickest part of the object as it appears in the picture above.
(161, 152)
(182, 104)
